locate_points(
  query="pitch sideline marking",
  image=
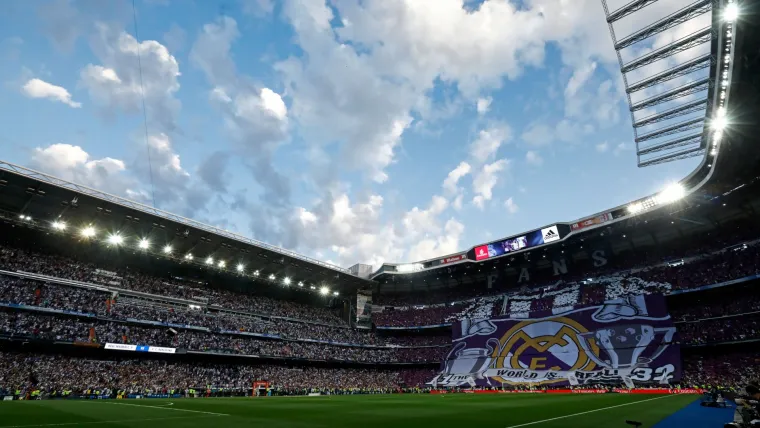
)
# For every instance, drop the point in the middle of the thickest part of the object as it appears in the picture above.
(589, 411)
(165, 408)
(98, 422)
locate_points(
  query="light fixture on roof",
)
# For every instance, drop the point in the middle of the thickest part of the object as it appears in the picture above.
(719, 123)
(188, 256)
(635, 207)
(271, 276)
(256, 273)
(300, 283)
(313, 287)
(168, 249)
(672, 193)
(222, 263)
(209, 261)
(731, 12)
(59, 225)
(286, 281)
(144, 244)
(335, 293)
(25, 217)
(240, 267)
(115, 239)
(324, 291)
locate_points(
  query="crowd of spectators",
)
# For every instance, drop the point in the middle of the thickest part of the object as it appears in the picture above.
(711, 268)
(26, 371)
(35, 293)
(49, 327)
(728, 370)
(15, 259)
(719, 330)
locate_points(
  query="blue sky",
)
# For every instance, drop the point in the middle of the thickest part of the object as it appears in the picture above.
(380, 130)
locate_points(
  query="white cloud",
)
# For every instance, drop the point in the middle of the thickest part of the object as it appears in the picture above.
(485, 180)
(602, 147)
(257, 8)
(36, 88)
(620, 148)
(256, 116)
(538, 134)
(533, 158)
(578, 79)
(356, 232)
(483, 105)
(119, 83)
(511, 206)
(488, 142)
(457, 203)
(452, 179)
(74, 164)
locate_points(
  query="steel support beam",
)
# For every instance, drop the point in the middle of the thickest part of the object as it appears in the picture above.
(681, 91)
(673, 129)
(628, 9)
(672, 144)
(689, 153)
(677, 71)
(672, 113)
(679, 17)
(680, 45)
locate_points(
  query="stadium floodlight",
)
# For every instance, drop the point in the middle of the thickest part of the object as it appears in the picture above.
(240, 267)
(731, 12)
(222, 263)
(719, 123)
(635, 207)
(59, 225)
(115, 239)
(286, 281)
(271, 277)
(209, 261)
(188, 256)
(144, 244)
(88, 232)
(672, 193)
(324, 291)
(168, 249)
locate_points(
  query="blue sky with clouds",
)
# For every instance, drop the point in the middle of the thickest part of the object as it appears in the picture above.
(352, 131)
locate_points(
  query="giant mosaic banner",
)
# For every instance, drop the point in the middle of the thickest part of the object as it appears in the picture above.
(626, 341)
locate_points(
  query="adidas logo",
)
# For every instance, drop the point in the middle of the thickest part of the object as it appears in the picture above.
(550, 234)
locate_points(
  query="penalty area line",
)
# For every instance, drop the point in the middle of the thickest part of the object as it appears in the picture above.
(165, 408)
(100, 422)
(587, 412)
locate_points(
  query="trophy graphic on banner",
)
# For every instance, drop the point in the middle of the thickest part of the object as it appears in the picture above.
(469, 362)
(623, 348)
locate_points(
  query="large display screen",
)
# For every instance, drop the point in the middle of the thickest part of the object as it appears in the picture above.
(532, 239)
(629, 340)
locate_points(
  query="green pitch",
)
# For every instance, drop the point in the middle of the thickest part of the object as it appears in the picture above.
(362, 411)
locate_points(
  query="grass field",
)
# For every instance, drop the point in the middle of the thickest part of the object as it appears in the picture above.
(367, 411)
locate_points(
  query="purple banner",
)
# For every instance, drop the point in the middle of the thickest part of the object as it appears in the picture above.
(628, 340)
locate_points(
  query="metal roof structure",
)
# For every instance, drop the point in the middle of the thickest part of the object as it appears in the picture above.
(674, 61)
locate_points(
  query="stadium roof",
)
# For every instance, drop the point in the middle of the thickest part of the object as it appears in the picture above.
(44, 201)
